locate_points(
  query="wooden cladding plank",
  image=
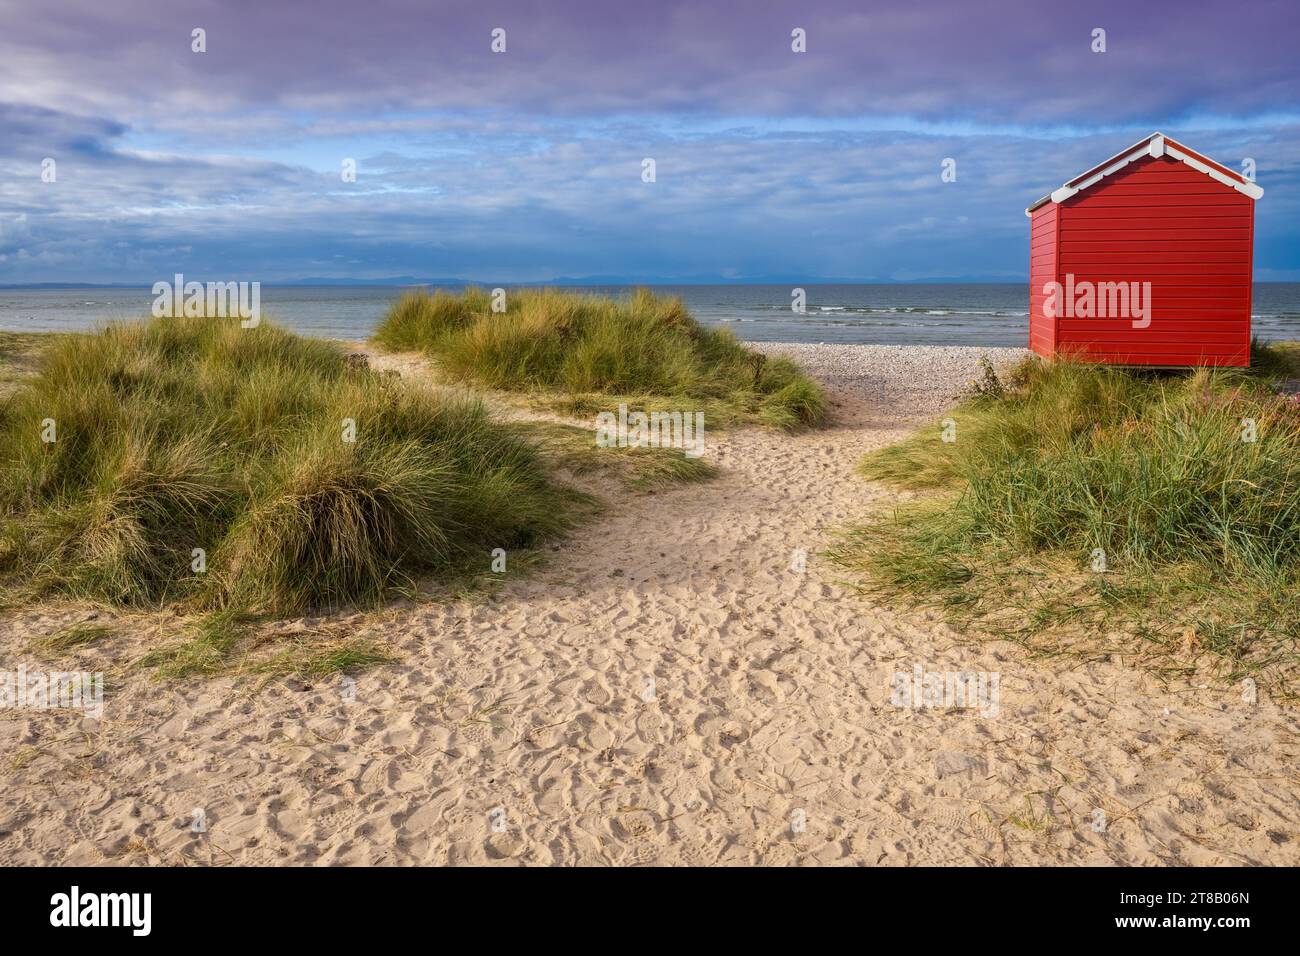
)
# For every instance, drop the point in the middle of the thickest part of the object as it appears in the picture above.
(1161, 320)
(1189, 331)
(1180, 283)
(1137, 271)
(1180, 320)
(1170, 211)
(1225, 227)
(1149, 234)
(1175, 300)
(1171, 244)
(1098, 353)
(1154, 346)
(1108, 257)
(1068, 341)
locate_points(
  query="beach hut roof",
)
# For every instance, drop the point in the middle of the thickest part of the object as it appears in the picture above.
(1156, 145)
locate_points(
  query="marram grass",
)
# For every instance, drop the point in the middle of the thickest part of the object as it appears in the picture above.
(180, 434)
(585, 347)
(1147, 515)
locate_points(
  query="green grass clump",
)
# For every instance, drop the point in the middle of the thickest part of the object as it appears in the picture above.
(316, 662)
(73, 637)
(185, 433)
(206, 648)
(579, 345)
(1094, 499)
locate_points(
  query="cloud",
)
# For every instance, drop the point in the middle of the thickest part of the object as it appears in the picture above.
(995, 61)
(526, 165)
(811, 202)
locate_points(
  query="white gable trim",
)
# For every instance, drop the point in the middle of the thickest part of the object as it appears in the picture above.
(1156, 146)
(1252, 190)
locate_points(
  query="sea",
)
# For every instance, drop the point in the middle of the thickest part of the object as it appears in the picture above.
(979, 314)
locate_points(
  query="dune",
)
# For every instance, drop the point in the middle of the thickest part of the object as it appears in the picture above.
(683, 681)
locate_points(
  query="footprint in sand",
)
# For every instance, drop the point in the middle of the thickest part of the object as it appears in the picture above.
(503, 846)
(635, 831)
(969, 821)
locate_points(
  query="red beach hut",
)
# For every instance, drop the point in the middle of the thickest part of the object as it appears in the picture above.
(1145, 259)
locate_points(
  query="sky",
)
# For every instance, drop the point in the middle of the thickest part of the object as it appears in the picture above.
(529, 164)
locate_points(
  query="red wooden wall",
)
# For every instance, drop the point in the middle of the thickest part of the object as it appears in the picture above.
(1042, 270)
(1157, 220)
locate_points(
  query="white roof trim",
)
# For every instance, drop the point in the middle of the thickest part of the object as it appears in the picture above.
(1250, 189)
(1154, 145)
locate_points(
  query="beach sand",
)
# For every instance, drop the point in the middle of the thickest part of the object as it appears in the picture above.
(663, 689)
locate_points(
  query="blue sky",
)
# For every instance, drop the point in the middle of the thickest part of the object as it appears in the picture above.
(527, 165)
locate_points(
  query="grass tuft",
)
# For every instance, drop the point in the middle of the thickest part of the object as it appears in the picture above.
(318, 661)
(1109, 510)
(177, 434)
(207, 651)
(590, 348)
(73, 637)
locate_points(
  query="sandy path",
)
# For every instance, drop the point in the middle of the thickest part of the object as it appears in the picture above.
(666, 690)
